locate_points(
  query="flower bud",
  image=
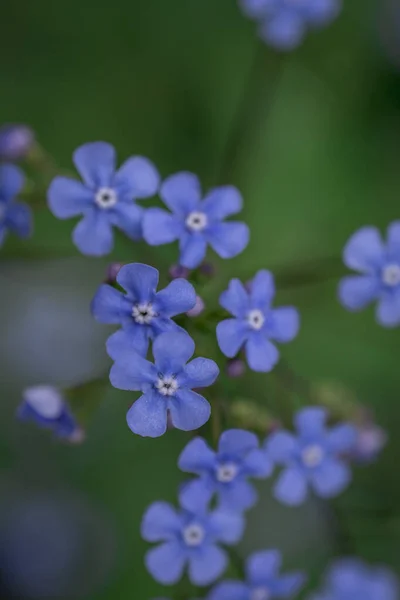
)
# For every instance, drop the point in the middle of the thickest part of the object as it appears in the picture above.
(235, 368)
(177, 271)
(16, 140)
(112, 272)
(197, 308)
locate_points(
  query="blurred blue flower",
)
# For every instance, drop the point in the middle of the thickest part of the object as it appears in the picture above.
(225, 472)
(284, 23)
(312, 457)
(105, 199)
(255, 322)
(351, 579)
(379, 279)
(16, 140)
(190, 537)
(14, 216)
(196, 222)
(166, 385)
(263, 581)
(46, 406)
(142, 312)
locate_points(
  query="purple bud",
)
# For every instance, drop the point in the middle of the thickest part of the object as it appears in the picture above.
(16, 140)
(208, 269)
(77, 437)
(177, 271)
(112, 272)
(197, 308)
(236, 368)
(371, 439)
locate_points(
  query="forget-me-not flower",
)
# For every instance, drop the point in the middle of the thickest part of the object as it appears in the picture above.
(105, 199)
(190, 538)
(45, 405)
(255, 322)
(314, 457)
(263, 580)
(351, 579)
(225, 472)
(142, 312)
(167, 385)
(196, 223)
(284, 23)
(14, 216)
(379, 279)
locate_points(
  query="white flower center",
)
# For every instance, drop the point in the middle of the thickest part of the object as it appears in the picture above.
(143, 313)
(391, 275)
(196, 221)
(260, 593)
(106, 198)
(45, 400)
(167, 386)
(256, 319)
(226, 472)
(193, 535)
(313, 455)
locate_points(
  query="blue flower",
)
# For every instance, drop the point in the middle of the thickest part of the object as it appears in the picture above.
(351, 579)
(263, 581)
(379, 268)
(314, 457)
(16, 140)
(14, 216)
(166, 385)
(190, 538)
(196, 222)
(142, 312)
(284, 23)
(255, 322)
(46, 406)
(105, 199)
(225, 472)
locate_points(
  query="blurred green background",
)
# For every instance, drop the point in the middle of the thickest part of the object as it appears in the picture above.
(320, 159)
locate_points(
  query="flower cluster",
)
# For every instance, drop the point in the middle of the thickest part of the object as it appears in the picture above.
(15, 216)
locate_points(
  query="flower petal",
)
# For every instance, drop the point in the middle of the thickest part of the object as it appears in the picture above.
(393, 237)
(189, 410)
(291, 487)
(132, 372)
(196, 457)
(261, 354)
(342, 438)
(95, 163)
(160, 522)
(364, 251)
(229, 590)
(262, 290)
(160, 227)
(228, 239)
(283, 31)
(284, 324)
(388, 309)
(19, 219)
(68, 197)
(237, 496)
(108, 304)
(148, 415)
(12, 181)
(172, 350)
(124, 343)
(356, 292)
(128, 217)
(288, 585)
(206, 565)
(221, 202)
(235, 299)
(194, 499)
(311, 420)
(178, 297)
(256, 9)
(181, 192)
(231, 335)
(137, 178)
(237, 442)
(192, 247)
(166, 563)
(281, 446)
(331, 478)
(257, 464)
(322, 12)
(139, 280)
(227, 526)
(200, 372)
(93, 235)
(261, 566)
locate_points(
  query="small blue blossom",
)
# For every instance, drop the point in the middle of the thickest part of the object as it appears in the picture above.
(225, 472)
(379, 268)
(46, 406)
(166, 385)
(284, 23)
(263, 581)
(351, 579)
(16, 140)
(256, 323)
(142, 312)
(105, 199)
(190, 538)
(312, 457)
(196, 222)
(14, 216)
